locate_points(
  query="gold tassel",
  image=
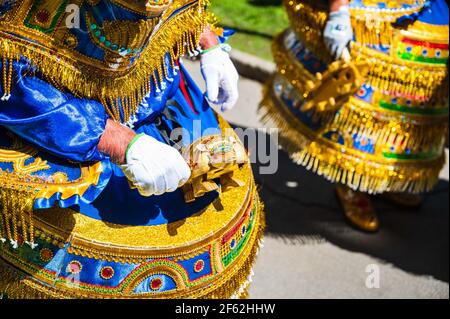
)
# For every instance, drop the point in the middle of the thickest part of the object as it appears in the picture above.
(17, 211)
(7, 77)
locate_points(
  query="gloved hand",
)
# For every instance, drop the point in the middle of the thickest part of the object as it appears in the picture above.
(153, 167)
(338, 32)
(221, 78)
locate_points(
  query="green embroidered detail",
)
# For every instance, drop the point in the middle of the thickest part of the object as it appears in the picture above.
(242, 243)
(421, 59)
(28, 21)
(413, 110)
(211, 49)
(419, 156)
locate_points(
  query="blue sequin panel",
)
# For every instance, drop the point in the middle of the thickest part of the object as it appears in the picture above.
(88, 271)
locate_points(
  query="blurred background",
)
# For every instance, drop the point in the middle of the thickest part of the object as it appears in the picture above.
(310, 251)
(256, 22)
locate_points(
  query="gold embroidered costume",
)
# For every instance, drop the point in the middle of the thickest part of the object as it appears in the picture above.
(384, 133)
(70, 224)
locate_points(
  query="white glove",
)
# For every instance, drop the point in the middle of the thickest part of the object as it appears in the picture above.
(338, 32)
(221, 78)
(153, 167)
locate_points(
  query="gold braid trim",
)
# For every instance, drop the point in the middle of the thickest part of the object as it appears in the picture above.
(16, 215)
(341, 164)
(237, 276)
(232, 283)
(178, 36)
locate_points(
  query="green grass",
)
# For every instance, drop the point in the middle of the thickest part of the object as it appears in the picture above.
(256, 20)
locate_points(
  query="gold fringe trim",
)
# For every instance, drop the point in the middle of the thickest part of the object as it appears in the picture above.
(340, 164)
(177, 37)
(239, 276)
(19, 190)
(233, 282)
(16, 215)
(404, 78)
(15, 285)
(308, 21)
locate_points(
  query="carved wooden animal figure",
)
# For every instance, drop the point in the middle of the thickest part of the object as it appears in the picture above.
(210, 158)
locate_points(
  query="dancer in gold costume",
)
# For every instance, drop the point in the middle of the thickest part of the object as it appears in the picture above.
(361, 97)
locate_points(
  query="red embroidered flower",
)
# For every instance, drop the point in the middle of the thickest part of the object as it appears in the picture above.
(46, 254)
(42, 16)
(199, 265)
(156, 284)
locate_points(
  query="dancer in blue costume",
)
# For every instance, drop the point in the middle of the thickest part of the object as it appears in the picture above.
(104, 194)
